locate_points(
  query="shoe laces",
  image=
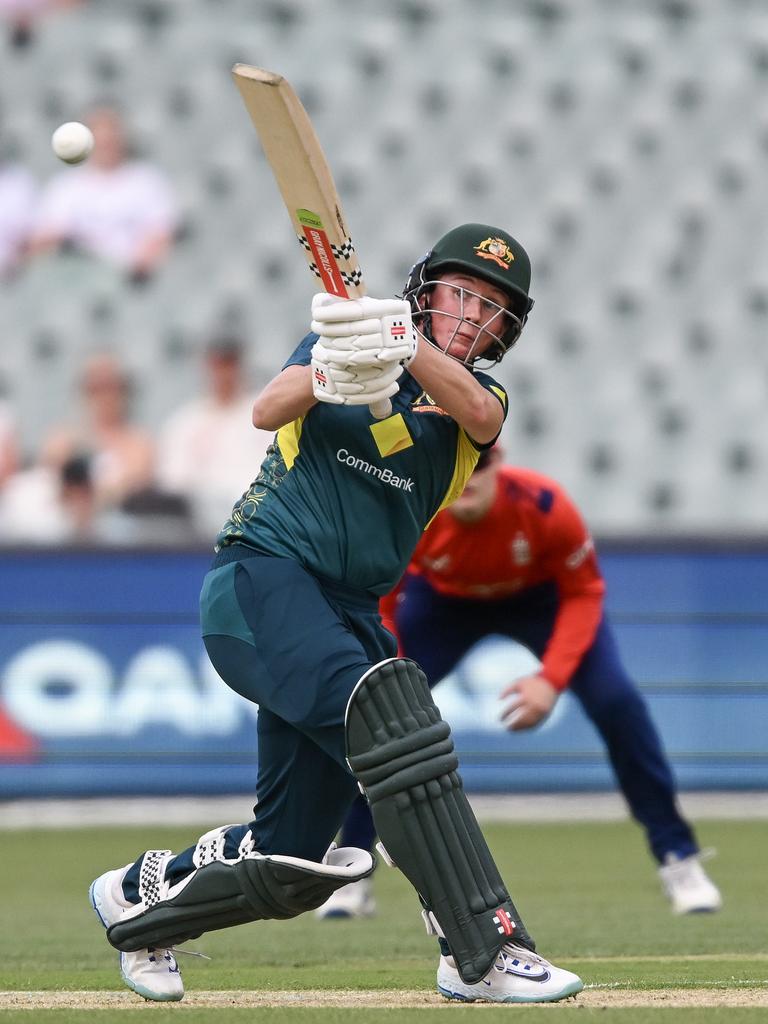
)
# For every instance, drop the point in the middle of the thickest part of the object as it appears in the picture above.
(517, 952)
(157, 952)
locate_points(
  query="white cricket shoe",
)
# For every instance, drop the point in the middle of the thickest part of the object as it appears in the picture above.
(353, 900)
(518, 976)
(153, 973)
(687, 885)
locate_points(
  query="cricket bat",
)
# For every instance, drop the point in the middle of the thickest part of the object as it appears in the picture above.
(306, 185)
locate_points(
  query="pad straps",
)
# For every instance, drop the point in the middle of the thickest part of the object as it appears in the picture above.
(223, 892)
(210, 847)
(152, 876)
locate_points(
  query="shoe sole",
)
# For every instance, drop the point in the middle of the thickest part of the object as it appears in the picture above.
(569, 992)
(145, 993)
(96, 902)
(148, 994)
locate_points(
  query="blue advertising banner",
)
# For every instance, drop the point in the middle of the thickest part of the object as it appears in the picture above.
(105, 686)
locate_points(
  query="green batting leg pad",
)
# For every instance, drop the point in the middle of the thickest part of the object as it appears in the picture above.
(224, 893)
(402, 754)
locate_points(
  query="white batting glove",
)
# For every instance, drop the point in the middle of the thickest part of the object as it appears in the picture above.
(383, 385)
(365, 331)
(343, 384)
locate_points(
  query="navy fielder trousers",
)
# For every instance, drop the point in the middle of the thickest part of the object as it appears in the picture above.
(437, 631)
(296, 646)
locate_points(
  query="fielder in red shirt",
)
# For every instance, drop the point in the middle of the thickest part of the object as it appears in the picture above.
(512, 531)
(513, 557)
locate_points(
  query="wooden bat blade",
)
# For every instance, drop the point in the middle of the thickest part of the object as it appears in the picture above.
(306, 184)
(303, 177)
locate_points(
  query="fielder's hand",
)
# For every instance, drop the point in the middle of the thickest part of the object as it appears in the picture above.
(348, 384)
(533, 697)
(363, 332)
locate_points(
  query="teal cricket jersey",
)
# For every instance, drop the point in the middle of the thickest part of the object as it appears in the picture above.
(348, 496)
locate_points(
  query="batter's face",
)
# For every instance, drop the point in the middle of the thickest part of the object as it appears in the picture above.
(468, 315)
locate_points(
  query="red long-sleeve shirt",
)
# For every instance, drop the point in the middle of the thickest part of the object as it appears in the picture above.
(532, 534)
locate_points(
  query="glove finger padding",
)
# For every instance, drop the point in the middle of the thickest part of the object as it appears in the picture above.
(343, 383)
(322, 353)
(365, 325)
(366, 357)
(366, 380)
(331, 310)
(354, 357)
(346, 328)
(382, 372)
(393, 339)
(370, 356)
(353, 342)
(370, 397)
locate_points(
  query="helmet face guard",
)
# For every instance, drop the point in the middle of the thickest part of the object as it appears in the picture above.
(500, 324)
(491, 255)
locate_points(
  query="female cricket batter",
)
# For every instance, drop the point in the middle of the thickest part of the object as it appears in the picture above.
(290, 621)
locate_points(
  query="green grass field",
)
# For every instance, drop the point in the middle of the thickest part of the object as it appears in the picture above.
(589, 893)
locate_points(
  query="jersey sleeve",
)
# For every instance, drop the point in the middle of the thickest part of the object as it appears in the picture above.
(302, 354)
(500, 394)
(580, 588)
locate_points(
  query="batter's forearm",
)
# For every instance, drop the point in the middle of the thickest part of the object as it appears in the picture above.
(286, 398)
(455, 390)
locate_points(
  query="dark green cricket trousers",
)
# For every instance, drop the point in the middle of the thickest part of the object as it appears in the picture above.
(296, 646)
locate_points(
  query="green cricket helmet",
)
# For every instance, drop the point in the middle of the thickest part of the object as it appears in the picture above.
(486, 252)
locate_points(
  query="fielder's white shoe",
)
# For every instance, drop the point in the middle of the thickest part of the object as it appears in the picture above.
(688, 887)
(153, 973)
(353, 900)
(518, 976)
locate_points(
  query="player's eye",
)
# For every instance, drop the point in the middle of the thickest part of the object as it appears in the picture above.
(492, 310)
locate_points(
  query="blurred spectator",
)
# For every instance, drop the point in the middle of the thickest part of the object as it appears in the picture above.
(116, 208)
(21, 16)
(9, 445)
(72, 512)
(36, 487)
(77, 497)
(121, 454)
(18, 192)
(75, 516)
(209, 446)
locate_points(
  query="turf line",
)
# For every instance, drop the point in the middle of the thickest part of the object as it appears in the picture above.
(592, 996)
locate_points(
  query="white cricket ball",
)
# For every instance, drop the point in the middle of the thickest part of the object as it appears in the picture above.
(72, 142)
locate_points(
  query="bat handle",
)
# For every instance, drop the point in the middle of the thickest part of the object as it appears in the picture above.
(380, 410)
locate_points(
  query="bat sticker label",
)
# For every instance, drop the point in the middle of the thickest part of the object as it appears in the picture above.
(326, 263)
(309, 219)
(319, 245)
